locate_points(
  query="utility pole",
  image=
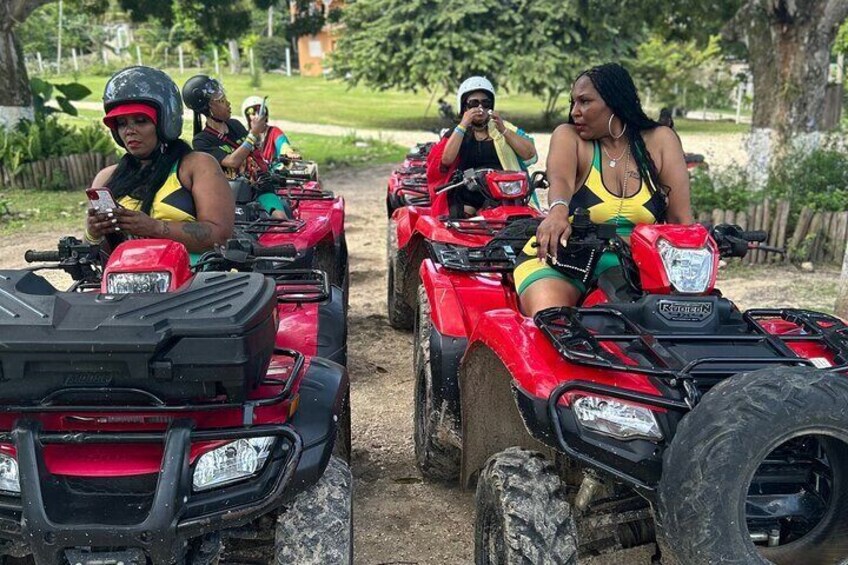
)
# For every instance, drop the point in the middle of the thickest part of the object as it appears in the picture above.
(59, 43)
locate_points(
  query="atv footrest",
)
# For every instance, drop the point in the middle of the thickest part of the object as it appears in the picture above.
(487, 259)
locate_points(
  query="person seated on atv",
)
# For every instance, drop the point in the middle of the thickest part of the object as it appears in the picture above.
(273, 142)
(481, 140)
(226, 139)
(163, 189)
(612, 160)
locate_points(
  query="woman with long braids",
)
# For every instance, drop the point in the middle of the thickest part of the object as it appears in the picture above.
(612, 160)
(163, 189)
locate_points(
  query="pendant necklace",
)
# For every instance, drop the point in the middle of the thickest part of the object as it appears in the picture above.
(613, 161)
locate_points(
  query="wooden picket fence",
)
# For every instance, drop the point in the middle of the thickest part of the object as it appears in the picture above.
(819, 237)
(70, 172)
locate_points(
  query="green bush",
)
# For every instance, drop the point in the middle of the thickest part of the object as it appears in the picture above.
(34, 141)
(817, 179)
(727, 189)
(271, 52)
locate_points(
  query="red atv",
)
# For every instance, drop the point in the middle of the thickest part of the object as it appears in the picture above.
(500, 197)
(315, 228)
(655, 411)
(407, 184)
(149, 418)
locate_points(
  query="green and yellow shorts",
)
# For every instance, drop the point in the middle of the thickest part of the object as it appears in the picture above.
(529, 268)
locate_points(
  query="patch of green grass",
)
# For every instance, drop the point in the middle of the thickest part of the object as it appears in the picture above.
(347, 151)
(34, 210)
(684, 125)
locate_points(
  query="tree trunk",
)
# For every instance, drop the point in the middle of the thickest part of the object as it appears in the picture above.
(15, 94)
(789, 45)
(235, 57)
(841, 307)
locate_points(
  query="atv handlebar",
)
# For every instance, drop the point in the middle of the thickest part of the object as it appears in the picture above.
(755, 236)
(41, 256)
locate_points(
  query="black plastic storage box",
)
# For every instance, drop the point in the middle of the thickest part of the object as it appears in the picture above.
(209, 340)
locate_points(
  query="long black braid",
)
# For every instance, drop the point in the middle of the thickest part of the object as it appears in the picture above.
(613, 83)
(130, 179)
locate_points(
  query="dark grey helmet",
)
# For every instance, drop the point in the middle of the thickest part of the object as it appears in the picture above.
(151, 86)
(199, 90)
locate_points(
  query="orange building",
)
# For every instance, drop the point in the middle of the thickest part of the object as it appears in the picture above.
(312, 49)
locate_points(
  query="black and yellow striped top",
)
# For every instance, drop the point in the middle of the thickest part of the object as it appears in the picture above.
(644, 207)
(173, 202)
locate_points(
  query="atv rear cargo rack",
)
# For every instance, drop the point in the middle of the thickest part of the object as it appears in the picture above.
(270, 225)
(414, 170)
(298, 286)
(300, 193)
(486, 259)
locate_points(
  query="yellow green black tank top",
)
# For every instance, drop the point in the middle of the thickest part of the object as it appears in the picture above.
(172, 202)
(645, 207)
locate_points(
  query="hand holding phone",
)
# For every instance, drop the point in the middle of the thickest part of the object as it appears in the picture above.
(101, 199)
(263, 109)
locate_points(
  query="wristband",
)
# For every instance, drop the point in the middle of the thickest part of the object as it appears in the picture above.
(460, 130)
(90, 238)
(247, 144)
(558, 202)
(251, 138)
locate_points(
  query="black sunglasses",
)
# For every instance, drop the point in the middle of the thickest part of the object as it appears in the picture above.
(485, 103)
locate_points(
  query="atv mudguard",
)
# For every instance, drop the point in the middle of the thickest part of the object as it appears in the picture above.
(334, 213)
(315, 328)
(511, 369)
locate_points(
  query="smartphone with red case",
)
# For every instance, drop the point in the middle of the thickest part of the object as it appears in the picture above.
(101, 199)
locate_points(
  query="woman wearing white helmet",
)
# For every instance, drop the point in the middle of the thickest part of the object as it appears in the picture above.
(274, 142)
(481, 140)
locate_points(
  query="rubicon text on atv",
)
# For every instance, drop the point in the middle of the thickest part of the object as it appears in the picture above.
(656, 411)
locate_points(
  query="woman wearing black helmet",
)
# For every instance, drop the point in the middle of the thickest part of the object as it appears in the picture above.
(162, 187)
(224, 138)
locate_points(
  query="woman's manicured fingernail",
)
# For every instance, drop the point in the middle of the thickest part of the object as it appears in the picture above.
(117, 229)
(115, 221)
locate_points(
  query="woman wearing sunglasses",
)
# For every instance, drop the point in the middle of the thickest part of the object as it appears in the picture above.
(226, 139)
(481, 140)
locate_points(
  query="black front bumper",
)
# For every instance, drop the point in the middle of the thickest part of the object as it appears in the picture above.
(54, 521)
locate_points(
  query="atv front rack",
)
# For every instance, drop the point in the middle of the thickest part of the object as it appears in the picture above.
(271, 225)
(148, 402)
(568, 333)
(414, 170)
(486, 259)
(475, 227)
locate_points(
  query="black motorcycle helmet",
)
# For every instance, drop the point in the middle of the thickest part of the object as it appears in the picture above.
(199, 90)
(146, 85)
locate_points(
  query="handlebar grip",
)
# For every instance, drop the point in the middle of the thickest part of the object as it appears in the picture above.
(41, 256)
(286, 250)
(757, 236)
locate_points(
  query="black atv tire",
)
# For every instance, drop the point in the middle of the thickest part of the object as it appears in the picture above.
(717, 449)
(401, 315)
(327, 261)
(523, 515)
(316, 527)
(342, 445)
(436, 459)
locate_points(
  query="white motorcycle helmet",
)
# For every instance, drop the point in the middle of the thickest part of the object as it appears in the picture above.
(251, 102)
(472, 84)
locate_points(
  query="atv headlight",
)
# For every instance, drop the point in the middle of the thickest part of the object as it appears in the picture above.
(9, 477)
(232, 462)
(128, 283)
(688, 270)
(511, 188)
(616, 419)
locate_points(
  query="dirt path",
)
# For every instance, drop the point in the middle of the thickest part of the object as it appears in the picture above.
(399, 518)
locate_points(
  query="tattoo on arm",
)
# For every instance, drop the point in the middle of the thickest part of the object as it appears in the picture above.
(198, 231)
(166, 229)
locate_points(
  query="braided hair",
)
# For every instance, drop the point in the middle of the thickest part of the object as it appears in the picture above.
(613, 83)
(131, 179)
